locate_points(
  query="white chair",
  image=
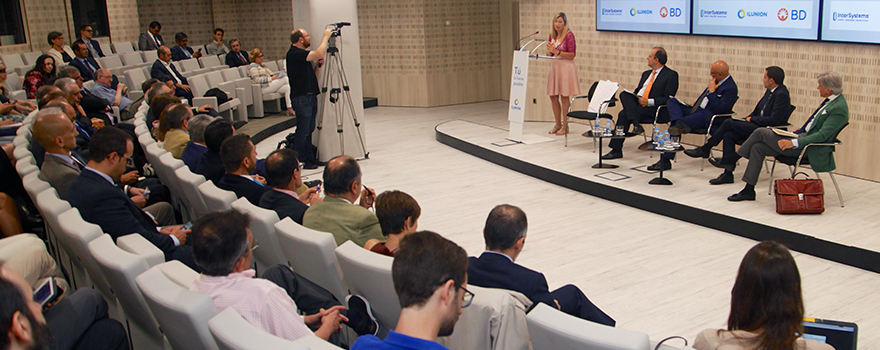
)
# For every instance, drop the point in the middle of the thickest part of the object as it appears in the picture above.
(13, 81)
(150, 56)
(110, 61)
(106, 49)
(190, 182)
(22, 152)
(550, 328)
(199, 85)
(190, 67)
(216, 199)
(121, 268)
(272, 66)
(243, 94)
(496, 319)
(146, 140)
(153, 152)
(26, 166)
(368, 274)
(14, 62)
(34, 185)
(211, 62)
(136, 77)
(263, 228)
(312, 254)
(140, 128)
(232, 332)
(182, 314)
(252, 93)
(132, 58)
(140, 246)
(123, 47)
(30, 58)
(165, 173)
(50, 207)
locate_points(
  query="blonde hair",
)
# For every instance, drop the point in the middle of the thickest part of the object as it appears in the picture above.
(254, 53)
(556, 35)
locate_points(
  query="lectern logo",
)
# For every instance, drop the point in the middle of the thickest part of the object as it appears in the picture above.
(782, 14)
(516, 102)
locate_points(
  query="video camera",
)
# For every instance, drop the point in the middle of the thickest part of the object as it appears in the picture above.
(337, 28)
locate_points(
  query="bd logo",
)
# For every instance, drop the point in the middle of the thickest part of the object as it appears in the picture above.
(782, 14)
(664, 12)
(632, 11)
(671, 12)
(798, 15)
(741, 14)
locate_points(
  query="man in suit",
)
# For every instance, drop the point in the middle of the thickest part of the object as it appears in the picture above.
(210, 164)
(235, 57)
(773, 109)
(831, 116)
(337, 213)
(177, 117)
(655, 87)
(196, 147)
(285, 176)
(718, 98)
(57, 134)
(181, 51)
(164, 67)
(100, 201)
(86, 65)
(505, 236)
(85, 37)
(151, 40)
(240, 157)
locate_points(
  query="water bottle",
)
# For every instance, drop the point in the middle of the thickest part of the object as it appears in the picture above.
(597, 129)
(656, 137)
(667, 145)
(608, 128)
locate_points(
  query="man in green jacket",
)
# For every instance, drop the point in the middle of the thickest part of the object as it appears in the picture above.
(831, 116)
(337, 213)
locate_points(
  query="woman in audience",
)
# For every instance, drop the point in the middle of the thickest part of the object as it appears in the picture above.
(398, 215)
(562, 81)
(766, 306)
(259, 74)
(158, 107)
(60, 52)
(11, 110)
(42, 72)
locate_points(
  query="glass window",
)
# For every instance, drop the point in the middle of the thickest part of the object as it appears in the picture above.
(12, 26)
(93, 13)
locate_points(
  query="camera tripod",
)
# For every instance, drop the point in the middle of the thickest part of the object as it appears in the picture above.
(339, 96)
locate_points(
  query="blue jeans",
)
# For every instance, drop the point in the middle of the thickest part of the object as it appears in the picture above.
(306, 109)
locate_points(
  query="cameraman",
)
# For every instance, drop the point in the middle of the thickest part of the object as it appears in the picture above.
(303, 82)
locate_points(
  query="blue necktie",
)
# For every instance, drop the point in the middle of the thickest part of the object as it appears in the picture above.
(83, 132)
(798, 131)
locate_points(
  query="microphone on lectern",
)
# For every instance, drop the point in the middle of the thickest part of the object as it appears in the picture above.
(525, 37)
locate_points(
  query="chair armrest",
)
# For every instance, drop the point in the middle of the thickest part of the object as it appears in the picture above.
(20, 95)
(229, 88)
(134, 95)
(208, 100)
(578, 97)
(140, 246)
(245, 96)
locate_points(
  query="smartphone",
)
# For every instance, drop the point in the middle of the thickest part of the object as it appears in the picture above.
(147, 192)
(47, 292)
(187, 226)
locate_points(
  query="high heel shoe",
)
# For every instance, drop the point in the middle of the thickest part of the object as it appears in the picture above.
(555, 129)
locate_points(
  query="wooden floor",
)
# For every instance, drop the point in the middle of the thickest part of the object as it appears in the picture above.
(651, 273)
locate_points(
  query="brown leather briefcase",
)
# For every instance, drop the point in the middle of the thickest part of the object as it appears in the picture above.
(800, 196)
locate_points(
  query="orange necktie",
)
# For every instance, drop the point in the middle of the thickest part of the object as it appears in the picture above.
(650, 84)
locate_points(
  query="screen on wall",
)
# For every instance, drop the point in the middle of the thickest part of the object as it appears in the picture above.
(851, 20)
(655, 16)
(782, 19)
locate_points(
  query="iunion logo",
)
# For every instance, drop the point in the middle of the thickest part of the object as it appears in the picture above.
(741, 14)
(632, 11)
(516, 102)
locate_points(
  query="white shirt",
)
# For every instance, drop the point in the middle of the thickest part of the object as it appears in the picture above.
(154, 39)
(809, 125)
(168, 67)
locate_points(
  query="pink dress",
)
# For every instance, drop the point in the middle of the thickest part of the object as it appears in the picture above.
(563, 78)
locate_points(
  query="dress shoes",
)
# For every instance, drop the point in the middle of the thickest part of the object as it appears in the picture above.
(665, 164)
(696, 153)
(637, 129)
(679, 128)
(614, 154)
(723, 163)
(740, 196)
(724, 178)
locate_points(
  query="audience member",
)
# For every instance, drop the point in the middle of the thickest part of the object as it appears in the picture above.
(223, 248)
(337, 213)
(211, 165)
(86, 64)
(57, 134)
(79, 321)
(100, 202)
(157, 108)
(181, 51)
(60, 52)
(195, 148)
(151, 40)
(217, 47)
(235, 57)
(240, 157)
(117, 97)
(177, 118)
(303, 92)
(831, 117)
(430, 278)
(157, 89)
(772, 110)
(398, 215)
(269, 82)
(43, 71)
(85, 37)
(766, 305)
(31, 260)
(83, 132)
(505, 235)
(164, 67)
(285, 176)
(18, 107)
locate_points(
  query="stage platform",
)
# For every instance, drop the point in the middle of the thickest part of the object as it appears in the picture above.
(846, 235)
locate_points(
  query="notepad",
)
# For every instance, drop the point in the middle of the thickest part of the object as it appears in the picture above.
(784, 133)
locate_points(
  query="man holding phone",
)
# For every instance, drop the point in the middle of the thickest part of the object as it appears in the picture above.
(181, 51)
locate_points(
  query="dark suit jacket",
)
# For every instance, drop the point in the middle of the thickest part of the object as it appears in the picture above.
(104, 204)
(773, 109)
(146, 43)
(211, 167)
(243, 187)
(492, 270)
(192, 154)
(85, 72)
(95, 44)
(232, 59)
(665, 85)
(159, 69)
(178, 54)
(284, 205)
(722, 100)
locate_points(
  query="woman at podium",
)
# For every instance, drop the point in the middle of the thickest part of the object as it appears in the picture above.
(563, 78)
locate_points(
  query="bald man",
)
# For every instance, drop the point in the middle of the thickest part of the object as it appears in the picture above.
(164, 67)
(117, 97)
(718, 98)
(304, 91)
(57, 134)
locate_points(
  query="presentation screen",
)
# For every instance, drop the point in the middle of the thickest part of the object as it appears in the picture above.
(654, 16)
(852, 21)
(782, 19)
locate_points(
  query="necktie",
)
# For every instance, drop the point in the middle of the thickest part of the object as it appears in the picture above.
(188, 55)
(92, 51)
(158, 43)
(647, 91)
(764, 101)
(257, 182)
(699, 101)
(803, 128)
(88, 65)
(83, 132)
(240, 55)
(78, 162)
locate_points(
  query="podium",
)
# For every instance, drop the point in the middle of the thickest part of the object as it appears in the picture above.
(518, 85)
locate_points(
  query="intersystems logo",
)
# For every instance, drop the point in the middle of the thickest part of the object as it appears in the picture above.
(850, 17)
(713, 13)
(612, 12)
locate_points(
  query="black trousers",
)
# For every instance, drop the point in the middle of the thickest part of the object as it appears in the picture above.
(632, 112)
(573, 302)
(731, 132)
(80, 321)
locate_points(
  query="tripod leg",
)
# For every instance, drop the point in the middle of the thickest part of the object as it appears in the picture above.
(354, 118)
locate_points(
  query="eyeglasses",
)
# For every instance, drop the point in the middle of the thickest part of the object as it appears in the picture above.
(467, 298)
(3, 70)
(254, 245)
(129, 162)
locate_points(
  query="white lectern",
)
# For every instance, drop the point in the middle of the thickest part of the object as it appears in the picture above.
(518, 85)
